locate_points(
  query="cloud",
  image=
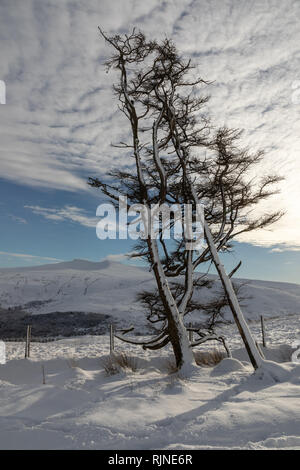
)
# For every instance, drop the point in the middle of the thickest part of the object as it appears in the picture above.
(282, 248)
(19, 220)
(61, 117)
(57, 116)
(65, 214)
(106, 222)
(118, 258)
(125, 259)
(27, 257)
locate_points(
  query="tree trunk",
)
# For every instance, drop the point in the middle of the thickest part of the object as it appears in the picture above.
(184, 356)
(256, 359)
(238, 316)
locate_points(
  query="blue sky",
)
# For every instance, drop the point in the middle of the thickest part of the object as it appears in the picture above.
(60, 117)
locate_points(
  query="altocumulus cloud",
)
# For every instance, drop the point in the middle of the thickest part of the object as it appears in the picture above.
(59, 120)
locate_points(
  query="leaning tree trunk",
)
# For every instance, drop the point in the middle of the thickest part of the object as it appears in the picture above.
(252, 350)
(254, 355)
(177, 333)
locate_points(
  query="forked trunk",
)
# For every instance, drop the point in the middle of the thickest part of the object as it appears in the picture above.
(180, 343)
(184, 356)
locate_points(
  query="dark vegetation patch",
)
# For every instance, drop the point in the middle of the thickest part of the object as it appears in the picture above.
(50, 326)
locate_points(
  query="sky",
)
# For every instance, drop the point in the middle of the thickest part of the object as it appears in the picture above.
(60, 117)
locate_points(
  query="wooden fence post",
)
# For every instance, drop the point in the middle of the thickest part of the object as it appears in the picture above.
(262, 322)
(111, 339)
(29, 341)
(44, 376)
(27, 344)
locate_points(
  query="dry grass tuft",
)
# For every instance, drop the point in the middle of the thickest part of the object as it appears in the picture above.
(127, 362)
(209, 358)
(202, 358)
(110, 366)
(116, 362)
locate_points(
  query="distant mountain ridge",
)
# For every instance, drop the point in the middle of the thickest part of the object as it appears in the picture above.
(78, 264)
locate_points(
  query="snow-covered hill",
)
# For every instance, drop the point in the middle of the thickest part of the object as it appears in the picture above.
(110, 288)
(77, 286)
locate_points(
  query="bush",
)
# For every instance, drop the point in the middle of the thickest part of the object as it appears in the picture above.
(116, 362)
(209, 358)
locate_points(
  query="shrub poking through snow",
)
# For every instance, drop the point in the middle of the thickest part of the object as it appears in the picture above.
(209, 358)
(116, 362)
(202, 358)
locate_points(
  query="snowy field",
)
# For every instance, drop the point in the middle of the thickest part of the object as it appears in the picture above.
(81, 407)
(145, 406)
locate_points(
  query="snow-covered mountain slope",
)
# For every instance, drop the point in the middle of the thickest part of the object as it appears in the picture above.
(110, 288)
(79, 285)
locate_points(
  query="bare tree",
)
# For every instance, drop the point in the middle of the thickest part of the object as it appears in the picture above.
(181, 159)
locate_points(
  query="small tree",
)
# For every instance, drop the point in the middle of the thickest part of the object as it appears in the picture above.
(180, 159)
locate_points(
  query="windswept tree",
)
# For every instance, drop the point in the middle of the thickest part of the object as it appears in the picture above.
(179, 158)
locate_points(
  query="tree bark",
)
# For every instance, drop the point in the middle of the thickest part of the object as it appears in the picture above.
(184, 356)
(238, 316)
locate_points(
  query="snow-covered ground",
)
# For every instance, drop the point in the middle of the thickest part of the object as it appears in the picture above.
(80, 406)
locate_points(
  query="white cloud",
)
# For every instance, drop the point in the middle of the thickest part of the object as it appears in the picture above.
(125, 258)
(60, 116)
(282, 248)
(118, 258)
(27, 257)
(66, 213)
(19, 220)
